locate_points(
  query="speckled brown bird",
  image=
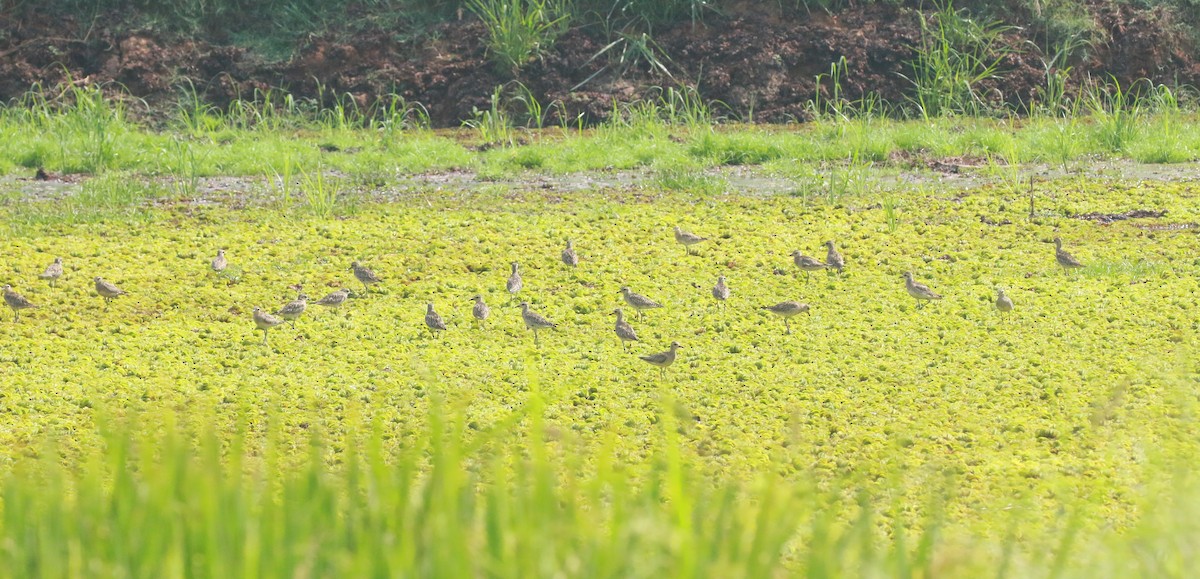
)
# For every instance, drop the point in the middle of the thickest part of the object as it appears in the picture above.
(534, 321)
(918, 290)
(265, 321)
(16, 301)
(623, 330)
(662, 359)
(107, 290)
(1065, 260)
(364, 275)
(53, 271)
(786, 310)
(688, 239)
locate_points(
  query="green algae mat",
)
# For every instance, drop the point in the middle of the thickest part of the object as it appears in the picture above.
(1077, 397)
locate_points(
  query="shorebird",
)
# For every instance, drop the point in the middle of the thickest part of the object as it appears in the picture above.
(514, 283)
(662, 359)
(806, 263)
(334, 300)
(53, 271)
(107, 290)
(786, 310)
(721, 291)
(433, 320)
(918, 290)
(1064, 259)
(534, 321)
(219, 263)
(623, 330)
(833, 259)
(364, 275)
(1003, 302)
(688, 239)
(481, 311)
(638, 302)
(292, 310)
(568, 255)
(265, 321)
(16, 301)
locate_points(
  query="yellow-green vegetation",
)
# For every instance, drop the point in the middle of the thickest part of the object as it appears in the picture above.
(1064, 414)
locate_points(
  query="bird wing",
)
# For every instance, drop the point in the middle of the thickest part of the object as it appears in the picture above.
(1067, 259)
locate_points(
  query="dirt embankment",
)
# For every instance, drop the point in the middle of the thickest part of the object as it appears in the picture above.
(749, 60)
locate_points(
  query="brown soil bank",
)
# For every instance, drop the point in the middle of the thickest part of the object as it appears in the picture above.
(752, 57)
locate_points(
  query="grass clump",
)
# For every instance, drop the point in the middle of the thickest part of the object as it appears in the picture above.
(519, 30)
(956, 54)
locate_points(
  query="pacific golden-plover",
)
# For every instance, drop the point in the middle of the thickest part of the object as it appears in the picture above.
(833, 259)
(806, 264)
(16, 301)
(291, 311)
(786, 310)
(480, 310)
(265, 321)
(433, 320)
(1065, 260)
(107, 290)
(219, 263)
(53, 271)
(638, 302)
(1003, 302)
(918, 290)
(514, 283)
(662, 359)
(720, 291)
(568, 255)
(623, 330)
(534, 321)
(688, 239)
(364, 275)
(334, 300)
